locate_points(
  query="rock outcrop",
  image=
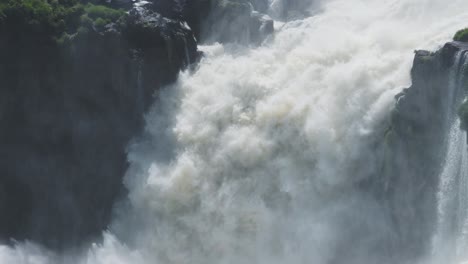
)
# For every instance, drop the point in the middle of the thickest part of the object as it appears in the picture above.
(68, 110)
(227, 21)
(415, 149)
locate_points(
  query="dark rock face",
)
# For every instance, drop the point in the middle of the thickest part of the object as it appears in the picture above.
(227, 20)
(415, 148)
(67, 113)
(195, 12)
(170, 8)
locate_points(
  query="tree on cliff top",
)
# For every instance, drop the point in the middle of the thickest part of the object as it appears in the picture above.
(461, 35)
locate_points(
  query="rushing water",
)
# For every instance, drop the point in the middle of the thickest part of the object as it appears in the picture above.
(253, 157)
(450, 242)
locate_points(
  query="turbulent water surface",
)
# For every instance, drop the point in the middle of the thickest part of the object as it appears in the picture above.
(253, 157)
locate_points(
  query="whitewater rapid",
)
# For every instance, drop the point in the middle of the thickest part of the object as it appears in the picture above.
(253, 156)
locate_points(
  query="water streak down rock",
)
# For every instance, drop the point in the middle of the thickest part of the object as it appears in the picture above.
(227, 21)
(416, 146)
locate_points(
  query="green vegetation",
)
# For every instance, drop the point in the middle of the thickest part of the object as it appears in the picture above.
(56, 18)
(461, 35)
(35, 14)
(103, 12)
(99, 16)
(463, 114)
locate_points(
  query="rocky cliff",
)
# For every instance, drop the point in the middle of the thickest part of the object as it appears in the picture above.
(415, 149)
(240, 21)
(67, 111)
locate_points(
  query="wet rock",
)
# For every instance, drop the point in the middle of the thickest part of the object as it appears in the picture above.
(227, 21)
(67, 114)
(415, 147)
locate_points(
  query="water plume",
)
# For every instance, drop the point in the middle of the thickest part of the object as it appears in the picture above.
(255, 156)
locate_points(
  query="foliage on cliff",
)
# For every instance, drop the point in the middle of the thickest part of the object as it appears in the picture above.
(461, 35)
(54, 19)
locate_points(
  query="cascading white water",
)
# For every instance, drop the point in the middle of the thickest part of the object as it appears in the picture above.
(252, 158)
(451, 241)
(462, 210)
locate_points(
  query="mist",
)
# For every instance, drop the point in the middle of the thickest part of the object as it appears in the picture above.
(259, 154)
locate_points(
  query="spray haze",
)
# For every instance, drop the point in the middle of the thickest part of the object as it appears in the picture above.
(257, 155)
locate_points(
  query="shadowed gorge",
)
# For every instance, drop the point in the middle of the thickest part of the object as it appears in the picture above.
(233, 131)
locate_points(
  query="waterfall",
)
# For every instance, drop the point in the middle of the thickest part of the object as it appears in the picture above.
(462, 215)
(450, 240)
(255, 156)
